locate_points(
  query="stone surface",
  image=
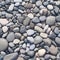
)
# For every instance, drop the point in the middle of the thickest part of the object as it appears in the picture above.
(58, 18)
(20, 58)
(38, 3)
(3, 44)
(50, 7)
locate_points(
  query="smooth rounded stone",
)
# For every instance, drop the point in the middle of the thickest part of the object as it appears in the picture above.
(4, 21)
(41, 52)
(11, 44)
(32, 47)
(50, 20)
(39, 29)
(50, 7)
(22, 29)
(58, 18)
(42, 18)
(58, 56)
(20, 58)
(17, 49)
(43, 35)
(57, 40)
(35, 20)
(4, 35)
(5, 29)
(38, 3)
(36, 10)
(30, 39)
(37, 39)
(31, 25)
(30, 32)
(28, 5)
(17, 4)
(53, 50)
(56, 30)
(10, 56)
(11, 7)
(30, 53)
(47, 41)
(30, 15)
(24, 45)
(16, 41)
(18, 1)
(10, 37)
(26, 21)
(3, 44)
(16, 29)
(22, 51)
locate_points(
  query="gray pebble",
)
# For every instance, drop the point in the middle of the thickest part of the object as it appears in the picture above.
(16, 29)
(32, 47)
(10, 37)
(58, 18)
(38, 3)
(50, 7)
(50, 20)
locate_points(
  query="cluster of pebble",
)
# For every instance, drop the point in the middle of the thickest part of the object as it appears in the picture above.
(29, 30)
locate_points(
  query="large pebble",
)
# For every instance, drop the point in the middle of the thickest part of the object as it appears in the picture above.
(32, 47)
(58, 18)
(3, 21)
(10, 37)
(43, 35)
(11, 56)
(41, 52)
(53, 50)
(50, 20)
(50, 7)
(3, 44)
(20, 58)
(37, 39)
(38, 3)
(30, 32)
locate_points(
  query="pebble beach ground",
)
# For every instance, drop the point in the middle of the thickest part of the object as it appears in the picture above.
(29, 29)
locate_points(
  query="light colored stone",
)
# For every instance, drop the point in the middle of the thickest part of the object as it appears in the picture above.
(20, 58)
(50, 7)
(17, 0)
(3, 21)
(41, 52)
(43, 35)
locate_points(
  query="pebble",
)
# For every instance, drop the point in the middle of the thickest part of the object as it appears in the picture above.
(30, 15)
(4, 21)
(16, 29)
(42, 18)
(37, 39)
(30, 32)
(20, 58)
(53, 50)
(50, 20)
(24, 45)
(10, 37)
(3, 44)
(12, 56)
(41, 52)
(18, 1)
(38, 3)
(50, 7)
(5, 29)
(26, 21)
(30, 39)
(57, 40)
(38, 29)
(58, 18)
(35, 20)
(11, 7)
(16, 41)
(43, 35)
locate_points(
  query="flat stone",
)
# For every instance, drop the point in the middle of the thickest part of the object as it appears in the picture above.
(3, 21)
(50, 20)
(16, 41)
(5, 29)
(38, 29)
(35, 20)
(50, 7)
(30, 32)
(3, 44)
(57, 40)
(11, 7)
(38, 3)
(30, 39)
(26, 21)
(58, 18)
(12, 56)
(53, 50)
(20, 58)
(10, 37)
(30, 15)
(16, 29)
(37, 39)
(43, 35)
(41, 52)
